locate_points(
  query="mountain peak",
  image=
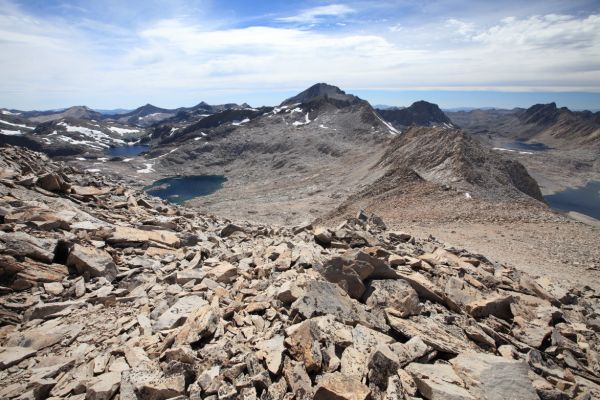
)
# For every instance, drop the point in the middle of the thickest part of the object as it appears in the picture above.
(421, 113)
(541, 114)
(320, 91)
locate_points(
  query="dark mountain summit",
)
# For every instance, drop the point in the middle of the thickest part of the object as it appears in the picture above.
(421, 113)
(542, 114)
(322, 91)
(560, 126)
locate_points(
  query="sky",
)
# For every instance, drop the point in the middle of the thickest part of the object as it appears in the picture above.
(458, 53)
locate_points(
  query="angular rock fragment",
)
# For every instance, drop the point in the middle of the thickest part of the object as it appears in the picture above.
(338, 386)
(272, 351)
(125, 236)
(323, 236)
(492, 377)
(498, 305)
(178, 312)
(20, 244)
(394, 293)
(91, 262)
(10, 356)
(438, 382)
(222, 272)
(104, 386)
(322, 298)
(383, 363)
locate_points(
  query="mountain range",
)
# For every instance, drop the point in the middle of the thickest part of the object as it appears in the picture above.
(323, 144)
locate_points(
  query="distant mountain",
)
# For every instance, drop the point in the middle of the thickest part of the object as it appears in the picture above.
(145, 115)
(79, 112)
(420, 113)
(68, 136)
(322, 91)
(547, 123)
(540, 123)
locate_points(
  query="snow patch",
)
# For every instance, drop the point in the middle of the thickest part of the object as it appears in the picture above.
(10, 133)
(277, 110)
(511, 150)
(121, 131)
(238, 123)
(149, 168)
(306, 121)
(93, 170)
(164, 155)
(93, 145)
(468, 196)
(393, 130)
(17, 125)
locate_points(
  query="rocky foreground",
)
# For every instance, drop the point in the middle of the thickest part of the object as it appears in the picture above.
(109, 294)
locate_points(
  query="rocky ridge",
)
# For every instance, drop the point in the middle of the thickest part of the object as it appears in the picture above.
(106, 292)
(420, 113)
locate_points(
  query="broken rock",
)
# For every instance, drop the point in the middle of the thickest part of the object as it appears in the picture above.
(91, 262)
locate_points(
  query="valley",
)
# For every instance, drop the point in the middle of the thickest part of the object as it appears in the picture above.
(324, 154)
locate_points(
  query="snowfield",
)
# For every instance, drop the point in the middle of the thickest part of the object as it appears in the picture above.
(122, 131)
(10, 133)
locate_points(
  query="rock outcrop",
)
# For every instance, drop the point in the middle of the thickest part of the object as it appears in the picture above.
(161, 302)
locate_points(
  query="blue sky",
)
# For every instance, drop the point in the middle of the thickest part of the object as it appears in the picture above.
(110, 54)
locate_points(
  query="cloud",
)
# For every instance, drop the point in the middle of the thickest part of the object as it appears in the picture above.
(544, 32)
(462, 27)
(314, 15)
(47, 62)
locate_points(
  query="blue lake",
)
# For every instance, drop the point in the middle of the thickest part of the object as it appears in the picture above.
(127, 151)
(522, 145)
(584, 200)
(179, 189)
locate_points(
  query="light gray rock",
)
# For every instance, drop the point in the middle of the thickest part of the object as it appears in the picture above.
(348, 274)
(10, 356)
(104, 386)
(45, 310)
(322, 298)
(394, 293)
(438, 382)
(177, 314)
(20, 244)
(272, 352)
(491, 377)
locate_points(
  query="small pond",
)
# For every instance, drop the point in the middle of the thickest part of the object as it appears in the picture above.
(179, 189)
(523, 145)
(584, 200)
(127, 151)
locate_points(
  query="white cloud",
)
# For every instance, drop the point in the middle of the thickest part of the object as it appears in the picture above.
(462, 27)
(51, 62)
(396, 28)
(313, 15)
